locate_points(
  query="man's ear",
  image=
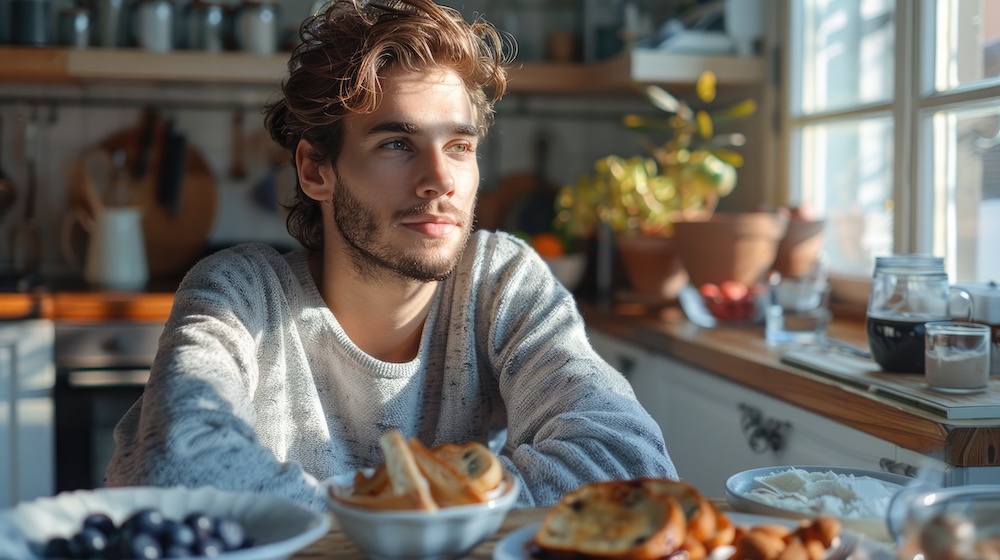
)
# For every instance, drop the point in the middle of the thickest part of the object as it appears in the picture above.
(316, 179)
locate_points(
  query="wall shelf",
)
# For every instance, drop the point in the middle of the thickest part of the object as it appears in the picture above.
(46, 65)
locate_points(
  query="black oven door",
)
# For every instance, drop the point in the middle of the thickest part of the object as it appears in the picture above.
(88, 405)
(101, 370)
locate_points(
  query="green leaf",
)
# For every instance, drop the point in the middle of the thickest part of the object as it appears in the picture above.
(661, 99)
(741, 110)
(729, 156)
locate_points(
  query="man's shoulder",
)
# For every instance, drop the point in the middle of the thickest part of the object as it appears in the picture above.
(251, 251)
(244, 260)
(498, 253)
(500, 243)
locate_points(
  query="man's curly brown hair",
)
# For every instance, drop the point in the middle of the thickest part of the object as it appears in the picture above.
(335, 71)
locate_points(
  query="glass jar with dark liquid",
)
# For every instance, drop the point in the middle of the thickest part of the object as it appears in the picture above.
(908, 291)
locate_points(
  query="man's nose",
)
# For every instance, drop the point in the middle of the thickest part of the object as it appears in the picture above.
(437, 176)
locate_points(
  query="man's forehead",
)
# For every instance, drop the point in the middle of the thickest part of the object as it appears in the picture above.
(412, 102)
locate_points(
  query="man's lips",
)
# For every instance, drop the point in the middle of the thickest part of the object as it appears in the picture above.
(432, 226)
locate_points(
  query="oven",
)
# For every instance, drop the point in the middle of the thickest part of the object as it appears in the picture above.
(101, 369)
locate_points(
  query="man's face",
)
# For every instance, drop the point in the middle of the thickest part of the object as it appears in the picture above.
(407, 176)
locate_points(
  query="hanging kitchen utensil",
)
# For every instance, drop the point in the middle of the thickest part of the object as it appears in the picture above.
(140, 160)
(118, 193)
(98, 176)
(8, 192)
(168, 192)
(237, 151)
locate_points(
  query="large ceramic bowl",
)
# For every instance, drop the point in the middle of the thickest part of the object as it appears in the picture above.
(446, 533)
(278, 527)
(871, 485)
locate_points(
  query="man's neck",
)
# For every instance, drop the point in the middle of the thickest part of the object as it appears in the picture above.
(384, 318)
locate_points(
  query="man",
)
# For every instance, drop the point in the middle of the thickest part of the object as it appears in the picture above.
(278, 371)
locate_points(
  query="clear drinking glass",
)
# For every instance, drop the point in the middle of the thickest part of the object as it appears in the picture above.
(798, 311)
(957, 356)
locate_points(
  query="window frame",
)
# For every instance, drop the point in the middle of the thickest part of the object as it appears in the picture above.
(912, 105)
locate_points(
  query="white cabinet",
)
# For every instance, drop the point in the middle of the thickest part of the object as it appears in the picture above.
(27, 439)
(715, 428)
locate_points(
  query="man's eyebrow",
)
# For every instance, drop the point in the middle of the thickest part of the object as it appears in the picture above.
(410, 128)
(394, 126)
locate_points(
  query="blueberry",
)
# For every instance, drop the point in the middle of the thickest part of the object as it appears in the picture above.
(174, 551)
(57, 547)
(203, 525)
(231, 533)
(101, 522)
(209, 547)
(142, 546)
(177, 534)
(90, 542)
(148, 521)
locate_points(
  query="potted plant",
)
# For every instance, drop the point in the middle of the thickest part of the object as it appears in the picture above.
(640, 199)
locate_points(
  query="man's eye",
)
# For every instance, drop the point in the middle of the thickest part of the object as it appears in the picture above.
(460, 148)
(394, 145)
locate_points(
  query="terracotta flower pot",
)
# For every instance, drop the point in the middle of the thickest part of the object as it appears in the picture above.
(799, 249)
(740, 247)
(652, 267)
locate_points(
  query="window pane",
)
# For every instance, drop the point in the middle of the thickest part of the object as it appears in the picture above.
(843, 54)
(967, 43)
(966, 189)
(846, 177)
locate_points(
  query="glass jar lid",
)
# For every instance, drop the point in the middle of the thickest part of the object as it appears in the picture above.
(914, 263)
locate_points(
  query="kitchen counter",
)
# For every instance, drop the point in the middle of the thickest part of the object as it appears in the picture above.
(739, 354)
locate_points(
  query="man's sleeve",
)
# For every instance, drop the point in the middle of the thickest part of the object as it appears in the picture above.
(572, 418)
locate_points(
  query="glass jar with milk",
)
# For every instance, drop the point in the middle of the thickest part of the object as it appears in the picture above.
(907, 291)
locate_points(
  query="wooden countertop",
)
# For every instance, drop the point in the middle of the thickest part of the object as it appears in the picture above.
(84, 305)
(739, 354)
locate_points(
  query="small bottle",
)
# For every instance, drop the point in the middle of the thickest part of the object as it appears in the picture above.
(257, 28)
(155, 25)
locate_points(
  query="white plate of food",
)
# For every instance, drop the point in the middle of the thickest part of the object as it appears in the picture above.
(519, 544)
(859, 498)
(273, 528)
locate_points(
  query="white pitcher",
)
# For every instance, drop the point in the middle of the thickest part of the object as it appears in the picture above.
(116, 249)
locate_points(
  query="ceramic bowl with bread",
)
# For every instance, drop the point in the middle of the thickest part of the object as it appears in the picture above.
(423, 503)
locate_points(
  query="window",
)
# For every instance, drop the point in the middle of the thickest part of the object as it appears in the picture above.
(893, 129)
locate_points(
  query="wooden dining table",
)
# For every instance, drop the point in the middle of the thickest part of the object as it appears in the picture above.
(335, 544)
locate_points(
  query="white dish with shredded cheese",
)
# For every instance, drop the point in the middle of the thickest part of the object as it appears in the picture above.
(858, 497)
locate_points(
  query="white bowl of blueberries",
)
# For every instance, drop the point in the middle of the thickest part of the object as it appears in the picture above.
(151, 523)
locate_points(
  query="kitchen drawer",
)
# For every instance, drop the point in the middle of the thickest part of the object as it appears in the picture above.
(715, 428)
(106, 344)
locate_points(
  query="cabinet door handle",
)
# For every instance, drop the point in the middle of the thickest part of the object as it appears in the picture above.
(763, 434)
(897, 467)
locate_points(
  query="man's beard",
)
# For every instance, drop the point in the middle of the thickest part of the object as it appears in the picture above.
(370, 252)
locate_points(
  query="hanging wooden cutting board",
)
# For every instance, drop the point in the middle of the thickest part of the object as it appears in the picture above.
(176, 237)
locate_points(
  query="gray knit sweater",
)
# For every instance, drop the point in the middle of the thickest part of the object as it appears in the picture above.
(256, 386)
